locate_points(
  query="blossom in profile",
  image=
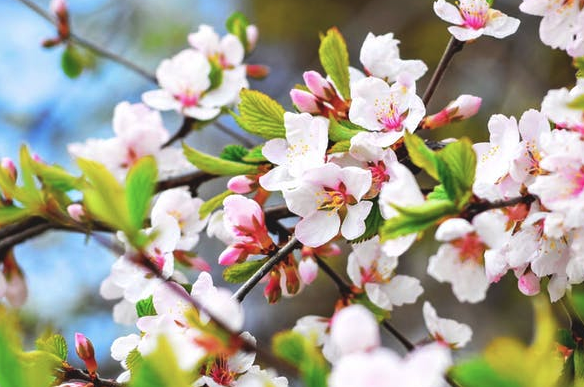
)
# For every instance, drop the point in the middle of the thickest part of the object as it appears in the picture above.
(465, 106)
(473, 18)
(444, 330)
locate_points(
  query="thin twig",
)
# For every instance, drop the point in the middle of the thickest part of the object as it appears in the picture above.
(96, 49)
(452, 48)
(476, 208)
(342, 286)
(278, 256)
(73, 374)
(182, 132)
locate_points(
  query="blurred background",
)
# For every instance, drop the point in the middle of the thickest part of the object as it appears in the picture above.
(40, 106)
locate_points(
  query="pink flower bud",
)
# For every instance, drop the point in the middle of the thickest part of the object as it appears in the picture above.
(318, 85)
(347, 338)
(273, 291)
(241, 184)
(8, 165)
(16, 290)
(464, 107)
(58, 7)
(85, 351)
(252, 33)
(308, 270)
(304, 101)
(257, 71)
(76, 212)
(289, 281)
(528, 284)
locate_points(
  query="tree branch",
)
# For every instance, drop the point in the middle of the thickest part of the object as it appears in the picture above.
(73, 374)
(452, 48)
(96, 49)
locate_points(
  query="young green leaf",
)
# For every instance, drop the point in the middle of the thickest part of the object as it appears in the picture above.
(234, 153)
(577, 103)
(56, 177)
(216, 165)
(334, 58)
(302, 353)
(140, 187)
(11, 214)
(260, 115)
(422, 156)
(417, 218)
(458, 172)
(72, 62)
(237, 24)
(55, 344)
(341, 146)
(255, 156)
(213, 203)
(159, 369)
(241, 272)
(342, 131)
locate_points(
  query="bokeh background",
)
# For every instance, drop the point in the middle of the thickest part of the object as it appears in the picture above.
(40, 106)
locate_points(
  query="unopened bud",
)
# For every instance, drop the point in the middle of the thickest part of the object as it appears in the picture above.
(58, 7)
(252, 33)
(48, 43)
(308, 270)
(304, 101)
(8, 166)
(528, 284)
(16, 290)
(273, 291)
(76, 212)
(460, 109)
(85, 351)
(257, 71)
(318, 85)
(241, 184)
(289, 281)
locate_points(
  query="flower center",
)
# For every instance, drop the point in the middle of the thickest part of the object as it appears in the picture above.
(221, 374)
(475, 16)
(188, 98)
(389, 115)
(470, 247)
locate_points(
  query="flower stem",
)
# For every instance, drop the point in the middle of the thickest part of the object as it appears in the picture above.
(452, 48)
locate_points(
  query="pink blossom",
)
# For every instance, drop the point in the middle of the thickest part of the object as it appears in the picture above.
(85, 351)
(465, 106)
(76, 212)
(443, 330)
(227, 52)
(560, 20)
(308, 270)
(241, 184)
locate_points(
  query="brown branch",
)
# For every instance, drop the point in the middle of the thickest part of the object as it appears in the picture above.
(96, 49)
(476, 208)
(452, 48)
(73, 374)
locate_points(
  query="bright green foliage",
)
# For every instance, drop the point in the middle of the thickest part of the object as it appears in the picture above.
(372, 223)
(334, 58)
(145, 307)
(216, 75)
(579, 64)
(12, 214)
(72, 61)
(438, 193)
(236, 24)
(213, 203)
(134, 359)
(234, 152)
(217, 166)
(241, 272)
(422, 156)
(343, 130)
(341, 146)
(140, 187)
(56, 177)
(303, 354)
(260, 115)
(54, 344)
(510, 363)
(255, 155)
(159, 369)
(577, 103)
(416, 219)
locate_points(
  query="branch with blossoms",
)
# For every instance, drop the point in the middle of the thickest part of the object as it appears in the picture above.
(343, 167)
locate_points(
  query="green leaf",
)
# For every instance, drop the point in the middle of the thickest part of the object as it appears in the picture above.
(55, 344)
(438, 193)
(577, 103)
(140, 187)
(579, 64)
(215, 75)
(417, 218)
(29, 194)
(334, 58)
(134, 359)
(302, 353)
(213, 203)
(216, 165)
(56, 177)
(72, 62)
(12, 214)
(145, 307)
(260, 115)
(159, 369)
(341, 146)
(255, 155)
(234, 152)
(422, 156)
(372, 223)
(237, 24)
(579, 363)
(458, 172)
(478, 373)
(341, 131)
(241, 272)
(104, 197)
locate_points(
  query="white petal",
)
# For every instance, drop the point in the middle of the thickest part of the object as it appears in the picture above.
(448, 12)
(161, 99)
(318, 229)
(354, 223)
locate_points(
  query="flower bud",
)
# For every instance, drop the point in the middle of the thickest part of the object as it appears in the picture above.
(16, 290)
(308, 270)
(8, 165)
(85, 351)
(257, 71)
(252, 33)
(58, 7)
(289, 281)
(304, 101)
(318, 85)
(273, 291)
(460, 109)
(528, 284)
(76, 212)
(241, 184)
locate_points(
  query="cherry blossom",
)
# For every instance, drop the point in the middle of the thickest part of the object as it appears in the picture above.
(328, 198)
(304, 148)
(185, 86)
(372, 269)
(227, 52)
(443, 330)
(473, 18)
(556, 107)
(350, 340)
(385, 111)
(465, 106)
(380, 57)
